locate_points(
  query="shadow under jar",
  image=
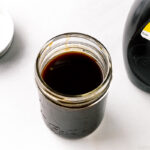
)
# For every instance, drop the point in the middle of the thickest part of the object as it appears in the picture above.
(73, 74)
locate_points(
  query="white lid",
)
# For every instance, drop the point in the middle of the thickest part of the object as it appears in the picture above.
(6, 31)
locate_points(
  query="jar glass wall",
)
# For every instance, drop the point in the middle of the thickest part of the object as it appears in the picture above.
(76, 115)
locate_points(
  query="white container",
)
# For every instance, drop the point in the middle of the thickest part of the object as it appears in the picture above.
(6, 31)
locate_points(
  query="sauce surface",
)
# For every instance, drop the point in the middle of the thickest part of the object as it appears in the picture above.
(72, 73)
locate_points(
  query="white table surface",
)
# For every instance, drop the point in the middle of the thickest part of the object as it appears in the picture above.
(126, 125)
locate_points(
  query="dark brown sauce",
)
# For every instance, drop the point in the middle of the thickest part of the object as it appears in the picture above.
(72, 73)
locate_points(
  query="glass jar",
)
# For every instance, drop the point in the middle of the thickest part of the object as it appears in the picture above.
(78, 115)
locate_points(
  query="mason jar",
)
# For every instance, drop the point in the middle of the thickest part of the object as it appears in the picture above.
(73, 116)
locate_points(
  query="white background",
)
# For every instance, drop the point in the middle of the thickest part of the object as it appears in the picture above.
(126, 125)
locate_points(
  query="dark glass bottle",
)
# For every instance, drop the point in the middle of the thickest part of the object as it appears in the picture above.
(136, 44)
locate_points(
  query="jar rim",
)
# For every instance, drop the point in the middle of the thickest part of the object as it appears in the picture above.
(74, 100)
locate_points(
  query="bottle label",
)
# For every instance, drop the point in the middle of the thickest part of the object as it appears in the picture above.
(146, 32)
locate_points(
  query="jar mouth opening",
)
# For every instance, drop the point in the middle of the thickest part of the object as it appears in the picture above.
(79, 99)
